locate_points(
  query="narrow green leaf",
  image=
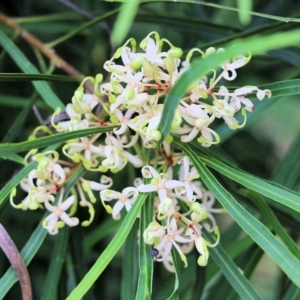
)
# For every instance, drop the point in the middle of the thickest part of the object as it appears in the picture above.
(13, 101)
(50, 140)
(13, 157)
(283, 88)
(236, 248)
(176, 263)
(231, 272)
(247, 263)
(25, 65)
(245, 7)
(57, 261)
(77, 260)
(258, 232)
(144, 289)
(278, 18)
(275, 224)
(81, 28)
(130, 264)
(124, 21)
(18, 123)
(104, 229)
(256, 184)
(111, 250)
(292, 293)
(290, 55)
(287, 171)
(4, 77)
(199, 67)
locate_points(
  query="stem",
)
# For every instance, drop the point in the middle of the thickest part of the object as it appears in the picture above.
(48, 52)
(16, 261)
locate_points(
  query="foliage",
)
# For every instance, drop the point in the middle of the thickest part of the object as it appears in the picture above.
(199, 179)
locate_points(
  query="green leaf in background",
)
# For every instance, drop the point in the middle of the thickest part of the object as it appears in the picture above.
(124, 21)
(231, 271)
(36, 77)
(18, 123)
(25, 65)
(245, 7)
(13, 157)
(224, 7)
(58, 258)
(99, 233)
(292, 293)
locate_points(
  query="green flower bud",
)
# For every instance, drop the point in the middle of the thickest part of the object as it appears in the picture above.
(135, 64)
(130, 93)
(175, 52)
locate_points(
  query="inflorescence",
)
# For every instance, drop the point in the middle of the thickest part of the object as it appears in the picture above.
(131, 101)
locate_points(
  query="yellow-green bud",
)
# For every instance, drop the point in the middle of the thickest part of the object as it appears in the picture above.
(99, 78)
(130, 93)
(170, 64)
(112, 98)
(175, 52)
(135, 64)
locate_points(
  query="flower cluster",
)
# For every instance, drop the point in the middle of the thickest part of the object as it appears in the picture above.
(129, 105)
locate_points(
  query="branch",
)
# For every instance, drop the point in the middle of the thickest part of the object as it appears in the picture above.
(16, 261)
(48, 52)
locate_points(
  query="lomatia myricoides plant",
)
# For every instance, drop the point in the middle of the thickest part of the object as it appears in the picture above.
(131, 104)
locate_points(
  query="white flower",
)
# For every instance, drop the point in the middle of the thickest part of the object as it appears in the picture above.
(186, 175)
(159, 182)
(124, 199)
(152, 49)
(154, 233)
(74, 148)
(165, 209)
(200, 117)
(229, 68)
(52, 223)
(194, 231)
(116, 157)
(123, 119)
(170, 239)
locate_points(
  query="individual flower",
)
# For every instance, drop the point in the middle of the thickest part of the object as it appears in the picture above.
(124, 199)
(228, 66)
(58, 217)
(84, 149)
(199, 117)
(168, 239)
(187, 175)
(159, 182)
(116, 157)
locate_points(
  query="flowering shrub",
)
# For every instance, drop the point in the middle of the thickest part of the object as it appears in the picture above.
(132, 102)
